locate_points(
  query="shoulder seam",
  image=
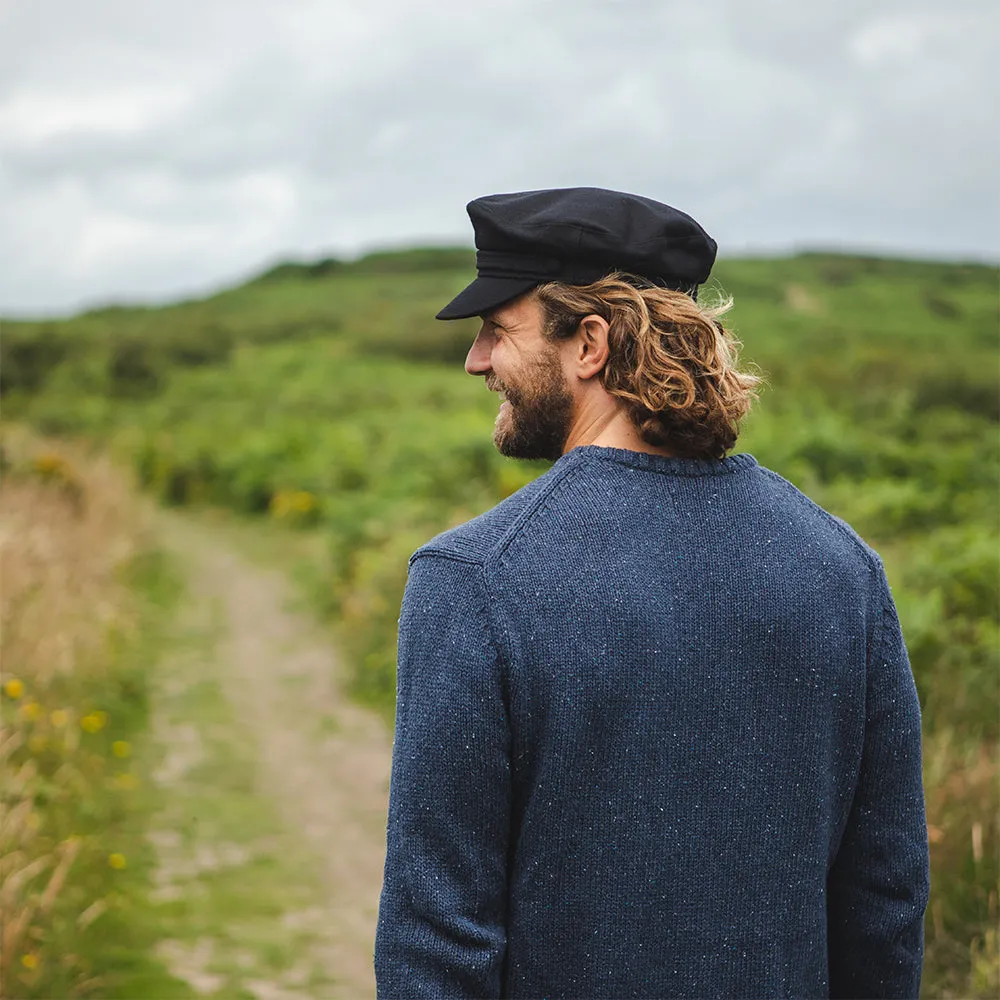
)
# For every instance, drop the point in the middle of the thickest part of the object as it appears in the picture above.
(873, 561)
(427, 551)
(529, 512)
(498, 547)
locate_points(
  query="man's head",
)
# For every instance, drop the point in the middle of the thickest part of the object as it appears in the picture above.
(591, 328)
(570, 360)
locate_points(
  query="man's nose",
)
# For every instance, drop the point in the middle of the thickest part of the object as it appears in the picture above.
(477, 361)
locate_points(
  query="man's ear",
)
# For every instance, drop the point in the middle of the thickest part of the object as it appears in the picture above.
(591, 346)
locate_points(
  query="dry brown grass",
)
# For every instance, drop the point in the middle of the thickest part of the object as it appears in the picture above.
(68, 523)
(962, 784)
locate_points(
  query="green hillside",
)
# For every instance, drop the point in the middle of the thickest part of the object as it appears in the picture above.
(326, 396)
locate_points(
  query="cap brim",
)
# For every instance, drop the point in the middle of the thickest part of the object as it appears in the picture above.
(484, 294)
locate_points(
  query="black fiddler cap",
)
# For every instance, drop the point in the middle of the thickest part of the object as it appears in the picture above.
(577, 235)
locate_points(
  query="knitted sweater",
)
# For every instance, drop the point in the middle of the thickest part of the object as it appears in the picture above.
(656, 736)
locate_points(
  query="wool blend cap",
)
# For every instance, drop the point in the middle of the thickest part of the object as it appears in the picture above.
(577, 235)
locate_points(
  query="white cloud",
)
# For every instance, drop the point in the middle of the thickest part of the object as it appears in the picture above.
(888, 41)
(32, 118)
(150, 149)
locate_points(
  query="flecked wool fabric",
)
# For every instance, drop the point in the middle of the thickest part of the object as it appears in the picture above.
(656, 736)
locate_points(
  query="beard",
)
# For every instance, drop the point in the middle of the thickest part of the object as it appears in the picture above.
(535, 421)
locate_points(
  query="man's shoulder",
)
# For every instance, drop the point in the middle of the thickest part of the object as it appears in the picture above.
(485, 536)
(757, 500)
(819, 521)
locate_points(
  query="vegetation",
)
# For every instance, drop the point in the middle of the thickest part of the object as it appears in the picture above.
(83, 601)
(325, 397)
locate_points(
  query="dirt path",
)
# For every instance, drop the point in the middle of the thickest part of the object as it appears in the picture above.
(286, 780)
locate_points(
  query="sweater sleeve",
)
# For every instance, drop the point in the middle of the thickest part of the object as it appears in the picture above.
(442, 915)
(878, 883)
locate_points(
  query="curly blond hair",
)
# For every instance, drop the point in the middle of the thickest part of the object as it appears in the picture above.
(671, 363)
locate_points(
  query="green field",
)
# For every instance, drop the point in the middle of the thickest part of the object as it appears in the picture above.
(325, 396)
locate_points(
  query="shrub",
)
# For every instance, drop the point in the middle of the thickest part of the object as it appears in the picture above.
(29, 354)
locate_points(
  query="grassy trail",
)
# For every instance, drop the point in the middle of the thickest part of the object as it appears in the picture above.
(271, 842)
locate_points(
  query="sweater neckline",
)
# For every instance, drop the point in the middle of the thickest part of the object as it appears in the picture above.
(660, 463)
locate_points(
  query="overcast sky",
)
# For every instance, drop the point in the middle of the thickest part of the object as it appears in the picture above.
(157, 148)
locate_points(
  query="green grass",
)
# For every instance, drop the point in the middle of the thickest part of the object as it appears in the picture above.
(123, 941)
(79, 798)
(333, 380)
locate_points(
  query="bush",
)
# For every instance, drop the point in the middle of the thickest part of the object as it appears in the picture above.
(29, 354)
(135, 368)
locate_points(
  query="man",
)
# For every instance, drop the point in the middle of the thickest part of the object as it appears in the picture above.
(656, 734)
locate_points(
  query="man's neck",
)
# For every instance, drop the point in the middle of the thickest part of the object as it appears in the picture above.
(610, 428)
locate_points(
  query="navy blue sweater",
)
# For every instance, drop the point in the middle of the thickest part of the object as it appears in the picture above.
(656, 736)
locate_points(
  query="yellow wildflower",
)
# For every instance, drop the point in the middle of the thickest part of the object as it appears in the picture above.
(31, 711)
(279, 504)
(59, 718)
(289, 502)
(50, 464)
(116, 860)
(126, 782)
(37, 744)
(30, 961)
(13, 688)
(94, 721)
(120, 748)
